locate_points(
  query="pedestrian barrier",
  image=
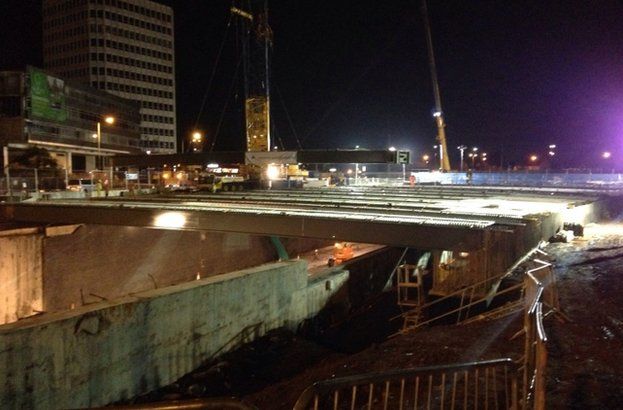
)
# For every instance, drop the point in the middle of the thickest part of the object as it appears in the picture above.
(479, 385)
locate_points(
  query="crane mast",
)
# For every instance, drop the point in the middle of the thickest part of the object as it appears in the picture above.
(444, 161)
(256, 39)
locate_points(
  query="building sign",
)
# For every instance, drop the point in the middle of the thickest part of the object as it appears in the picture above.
(402, 157)
(47, 96)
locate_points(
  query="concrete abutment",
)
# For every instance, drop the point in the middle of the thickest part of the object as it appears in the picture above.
(101, 353)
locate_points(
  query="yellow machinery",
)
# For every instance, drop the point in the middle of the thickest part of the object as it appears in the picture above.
(257, 111)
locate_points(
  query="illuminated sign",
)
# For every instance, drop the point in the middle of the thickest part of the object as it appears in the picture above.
(47, 96)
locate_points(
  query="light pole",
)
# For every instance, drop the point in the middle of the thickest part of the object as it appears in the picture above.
(461, 148)
(110, 121)
(356, 168)
(196, 139)
(387, 174)
(474, 154)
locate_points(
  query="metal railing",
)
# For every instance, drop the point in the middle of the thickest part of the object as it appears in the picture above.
(540, 293)
(469, 296)
(479, 385)
(217, 403)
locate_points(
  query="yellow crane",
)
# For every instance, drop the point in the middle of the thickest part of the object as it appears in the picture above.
(444, 161)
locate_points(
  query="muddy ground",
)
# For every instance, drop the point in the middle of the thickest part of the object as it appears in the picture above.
(585, 362)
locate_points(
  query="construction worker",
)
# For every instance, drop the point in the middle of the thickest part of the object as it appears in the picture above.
(98, 187)
(106, 187)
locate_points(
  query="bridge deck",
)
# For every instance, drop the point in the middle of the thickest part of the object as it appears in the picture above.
(425, 218)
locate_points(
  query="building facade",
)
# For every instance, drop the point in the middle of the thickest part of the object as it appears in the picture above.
(42, 110)
(124, 47)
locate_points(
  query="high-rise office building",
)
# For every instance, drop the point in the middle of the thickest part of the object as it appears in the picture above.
(124, 47)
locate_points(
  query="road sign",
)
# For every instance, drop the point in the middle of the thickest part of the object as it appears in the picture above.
(402, 157)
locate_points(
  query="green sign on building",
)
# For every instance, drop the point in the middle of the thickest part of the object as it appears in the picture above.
(47, 96)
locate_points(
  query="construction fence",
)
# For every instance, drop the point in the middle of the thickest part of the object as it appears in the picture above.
(23, 181)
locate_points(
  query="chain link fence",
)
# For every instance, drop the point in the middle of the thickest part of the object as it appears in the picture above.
(23, 182)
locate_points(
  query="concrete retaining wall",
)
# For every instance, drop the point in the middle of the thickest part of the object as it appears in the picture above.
(21, 268)
(98, 354)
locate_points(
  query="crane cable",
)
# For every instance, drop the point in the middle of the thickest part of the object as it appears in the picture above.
(283, 105)
(229, 94)
(209, 87)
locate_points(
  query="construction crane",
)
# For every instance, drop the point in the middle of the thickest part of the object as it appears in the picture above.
(444, 161)
(256, 41)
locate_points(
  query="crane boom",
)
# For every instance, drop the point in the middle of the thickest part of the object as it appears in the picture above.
(444, 161)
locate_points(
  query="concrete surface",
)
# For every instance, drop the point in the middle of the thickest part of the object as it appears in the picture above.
(21, 273)
(98, 354)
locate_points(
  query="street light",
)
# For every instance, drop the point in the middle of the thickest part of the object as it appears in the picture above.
(195, 138)
(606, 154)
(110, 120)
(461, 148)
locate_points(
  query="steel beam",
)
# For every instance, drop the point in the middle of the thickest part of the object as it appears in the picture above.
(346, 157)
(238, 157)
(194, 158)
(426, 233)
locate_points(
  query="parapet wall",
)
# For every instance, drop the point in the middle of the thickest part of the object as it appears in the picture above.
(101, 353)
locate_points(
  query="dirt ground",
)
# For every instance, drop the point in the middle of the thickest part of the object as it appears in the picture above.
(585, 367)
(585, 354)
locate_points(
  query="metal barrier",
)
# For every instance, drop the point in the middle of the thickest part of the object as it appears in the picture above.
(485, 384)
(540, 292)
(218, 403)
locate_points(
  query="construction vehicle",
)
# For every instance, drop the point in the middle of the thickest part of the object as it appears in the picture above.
(223, 178)
(342, 251)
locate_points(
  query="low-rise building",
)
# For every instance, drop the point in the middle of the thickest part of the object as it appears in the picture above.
(43, 110)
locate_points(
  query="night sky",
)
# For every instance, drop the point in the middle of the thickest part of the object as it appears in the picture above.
(514, 76)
